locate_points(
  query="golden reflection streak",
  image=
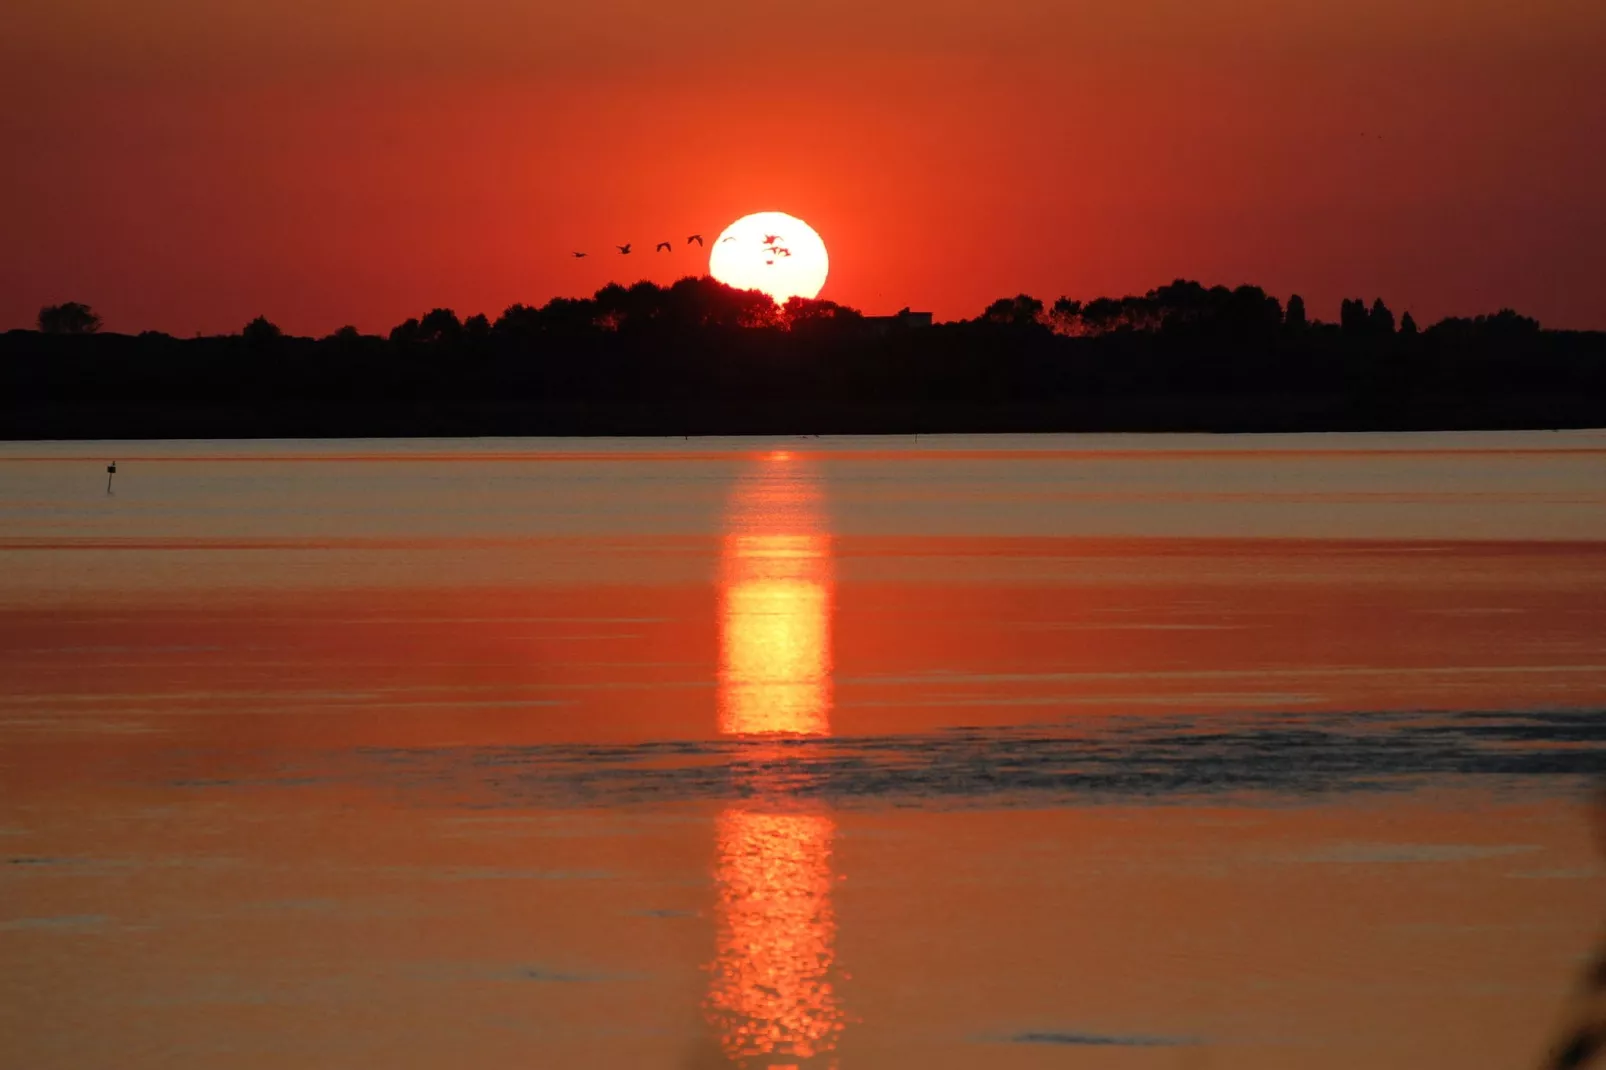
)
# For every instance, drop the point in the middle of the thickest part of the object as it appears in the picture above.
(773, 998)
(775, 606)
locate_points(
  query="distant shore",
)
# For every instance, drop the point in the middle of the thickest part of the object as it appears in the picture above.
(698, 358)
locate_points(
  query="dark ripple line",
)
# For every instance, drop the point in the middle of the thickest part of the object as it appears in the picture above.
(1289, 756)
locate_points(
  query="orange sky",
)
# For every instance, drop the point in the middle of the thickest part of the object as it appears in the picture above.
(185, 165)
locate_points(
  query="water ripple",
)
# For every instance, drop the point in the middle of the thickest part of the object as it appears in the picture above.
(1150, 758)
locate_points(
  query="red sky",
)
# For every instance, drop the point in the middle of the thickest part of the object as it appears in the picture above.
(186, 165)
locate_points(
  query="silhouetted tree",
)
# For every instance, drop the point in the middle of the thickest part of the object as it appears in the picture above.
(1509, 322)
(619, 307)
(1248, 313)
(707, 302)
(1294, 317)
(806, 313)
(1104, 314)
(1504, 328)
(440, 325)
(1066, 316)
(70, 318)
(1180, 306)
(1181, 309)
(1353, 318)
(1380, 319)
(1022, 310)
(518, 321)
(644, 302)
(261, 332)
(699, 354)
(568, 316)
(612, 304)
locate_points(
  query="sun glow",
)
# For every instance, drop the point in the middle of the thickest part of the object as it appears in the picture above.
(773, 252)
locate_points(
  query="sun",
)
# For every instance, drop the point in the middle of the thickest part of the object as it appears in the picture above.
(773, 252)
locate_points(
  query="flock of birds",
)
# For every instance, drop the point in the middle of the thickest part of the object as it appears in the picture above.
(772, 246)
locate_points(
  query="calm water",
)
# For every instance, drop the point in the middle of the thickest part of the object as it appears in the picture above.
(1028, 752)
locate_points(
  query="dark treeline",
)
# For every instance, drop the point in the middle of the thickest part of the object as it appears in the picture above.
(701, 358)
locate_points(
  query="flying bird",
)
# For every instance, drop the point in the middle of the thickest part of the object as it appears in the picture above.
(663, 247)
(722, 241)
(698, 238)
(578, 255)
(778, 251)
(771, 239)
(625, 248)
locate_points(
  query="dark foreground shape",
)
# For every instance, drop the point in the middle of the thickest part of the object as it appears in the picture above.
(697, 358)
(458, 419)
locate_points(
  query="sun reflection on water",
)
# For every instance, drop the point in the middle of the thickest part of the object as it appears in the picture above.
(773, 997)
(775, 606)
(775, 647)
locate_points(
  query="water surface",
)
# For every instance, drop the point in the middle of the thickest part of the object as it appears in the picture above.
(1127, 751)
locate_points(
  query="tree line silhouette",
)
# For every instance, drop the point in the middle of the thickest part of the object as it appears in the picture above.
(698, 357)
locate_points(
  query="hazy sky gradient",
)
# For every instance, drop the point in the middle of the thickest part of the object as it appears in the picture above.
(188, 164)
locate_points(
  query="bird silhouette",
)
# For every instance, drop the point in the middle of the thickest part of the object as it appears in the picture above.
(778, 251)
(722, 241)
(698, 238)
(771, 239)
(625, 248)
(578, 255)
(663, 247)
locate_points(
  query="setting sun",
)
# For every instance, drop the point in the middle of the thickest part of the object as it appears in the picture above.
(773, 252)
